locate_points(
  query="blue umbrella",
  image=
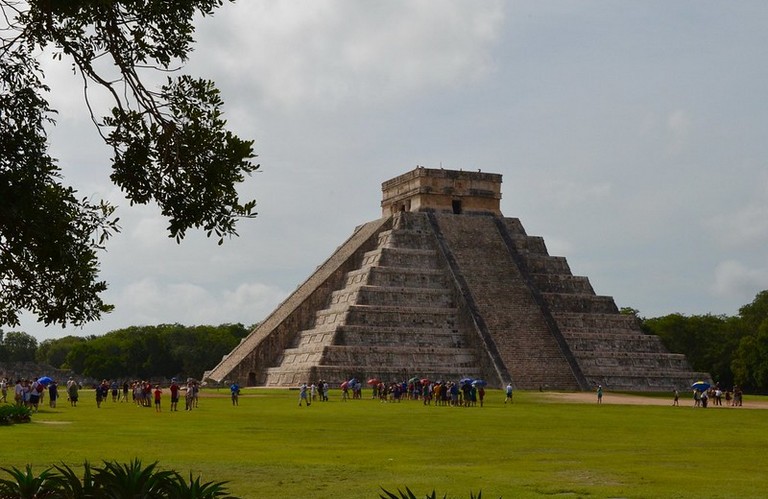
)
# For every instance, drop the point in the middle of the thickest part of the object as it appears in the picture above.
(45, 380)
(479, 382)
(700, 386)
(466, 381)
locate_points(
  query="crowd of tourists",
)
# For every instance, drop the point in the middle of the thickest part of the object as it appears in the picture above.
(714, 396)
(464, 393)
(32, 392)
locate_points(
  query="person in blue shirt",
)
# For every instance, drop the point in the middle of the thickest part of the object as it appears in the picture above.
(235, 389)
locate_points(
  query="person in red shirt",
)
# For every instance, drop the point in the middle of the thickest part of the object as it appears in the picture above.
(174, 395)
(158, 394)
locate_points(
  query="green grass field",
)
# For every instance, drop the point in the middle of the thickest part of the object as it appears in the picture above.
(269, 447)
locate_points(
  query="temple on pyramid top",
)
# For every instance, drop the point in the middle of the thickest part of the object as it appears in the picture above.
(432, 291)
(444, 191)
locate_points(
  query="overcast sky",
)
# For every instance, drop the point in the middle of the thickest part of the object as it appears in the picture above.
(632, 136)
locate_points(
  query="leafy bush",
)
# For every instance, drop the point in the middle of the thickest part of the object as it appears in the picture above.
(10, 414)
(113, 480)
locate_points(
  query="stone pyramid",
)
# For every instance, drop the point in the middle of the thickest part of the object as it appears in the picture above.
(444, 287)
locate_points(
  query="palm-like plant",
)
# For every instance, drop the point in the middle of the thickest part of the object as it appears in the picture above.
(410, 495)
(195, 489)
(72, 487)
(405, 495)
(24, 484)
(112, 481)
(133, 480)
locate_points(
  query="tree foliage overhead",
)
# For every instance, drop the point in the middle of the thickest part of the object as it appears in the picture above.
(170, 145)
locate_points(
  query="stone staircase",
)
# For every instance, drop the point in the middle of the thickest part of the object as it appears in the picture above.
(609, 347)
(520, 332)
(395, 317)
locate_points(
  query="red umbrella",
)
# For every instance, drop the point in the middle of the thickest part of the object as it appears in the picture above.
(425, 381)
(345, 384)
(374, 381)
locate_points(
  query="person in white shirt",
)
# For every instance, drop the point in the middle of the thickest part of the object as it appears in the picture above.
(4, 390)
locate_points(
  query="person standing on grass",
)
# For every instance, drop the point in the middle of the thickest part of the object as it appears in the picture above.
(322, 387)
(72, 392)
(18, 390)
(35, 389)
(189, 397)
(599, 394)
(676, 400)
(509, 393)
(115, 388)
(174, 388)
(195, 393)
(234, 388)
(481, 394)
(4, 390)
(99, 396)
(303, 394)
(53, 394)
(158, 397)
(344, 391)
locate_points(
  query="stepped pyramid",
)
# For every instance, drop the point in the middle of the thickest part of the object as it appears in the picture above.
(444, 287)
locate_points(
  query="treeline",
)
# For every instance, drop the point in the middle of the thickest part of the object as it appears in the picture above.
(734, 350)
(139, 352)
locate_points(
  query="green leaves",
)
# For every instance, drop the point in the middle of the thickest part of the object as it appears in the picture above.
(10, 414)
(184, 159)
(171, 146)
(112, 481)
(148, 351)
(126, 481)
(24, 484)
(194, 488)
(410, 495)
(48, 238)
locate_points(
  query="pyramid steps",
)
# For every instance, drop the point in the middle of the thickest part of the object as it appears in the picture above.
(584, 303)
(607, 342)
(560, 283)
(415, 336)
(381, 336)
(395, 311)
(400, 277)
(503, 299)
(401, 257)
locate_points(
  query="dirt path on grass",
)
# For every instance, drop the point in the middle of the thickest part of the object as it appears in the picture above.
(626, 399)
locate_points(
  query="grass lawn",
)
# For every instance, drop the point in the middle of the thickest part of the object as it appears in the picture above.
(269, 447)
